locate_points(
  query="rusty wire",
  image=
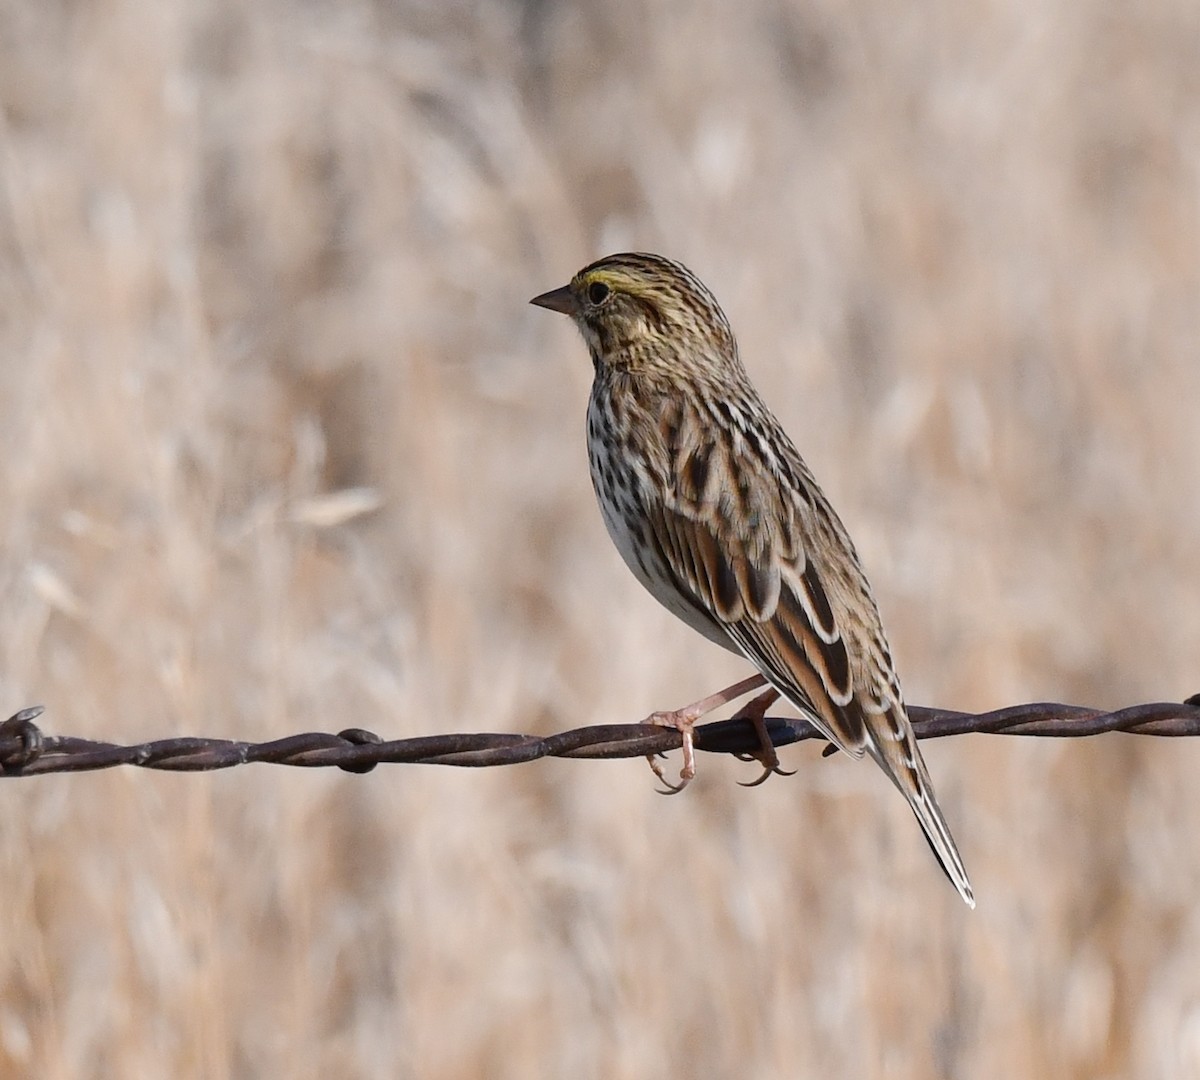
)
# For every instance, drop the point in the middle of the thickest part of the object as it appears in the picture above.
(26, 751)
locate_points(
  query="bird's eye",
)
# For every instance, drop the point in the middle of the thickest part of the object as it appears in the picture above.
(598, 292)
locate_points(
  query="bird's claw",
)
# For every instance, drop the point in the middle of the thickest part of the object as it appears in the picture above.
(769, 770)
(667, 787)
(768, 759)
(683, 721)
(765, 755)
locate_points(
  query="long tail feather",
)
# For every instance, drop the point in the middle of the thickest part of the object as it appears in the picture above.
(897, 754)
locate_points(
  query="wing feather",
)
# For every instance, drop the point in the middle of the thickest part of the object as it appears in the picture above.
(736, 548)
(810, 671)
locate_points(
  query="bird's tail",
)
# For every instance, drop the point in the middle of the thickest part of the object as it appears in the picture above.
(894, 747)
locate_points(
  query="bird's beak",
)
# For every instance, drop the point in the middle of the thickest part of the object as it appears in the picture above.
(562, 300)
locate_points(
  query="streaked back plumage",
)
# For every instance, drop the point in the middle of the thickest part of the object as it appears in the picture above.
(715, 512)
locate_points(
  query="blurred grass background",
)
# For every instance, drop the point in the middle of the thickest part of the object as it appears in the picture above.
(284, 448)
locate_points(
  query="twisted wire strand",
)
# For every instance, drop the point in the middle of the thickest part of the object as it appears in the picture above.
(26, 751)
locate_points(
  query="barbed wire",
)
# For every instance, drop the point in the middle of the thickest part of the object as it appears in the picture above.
(26, 751)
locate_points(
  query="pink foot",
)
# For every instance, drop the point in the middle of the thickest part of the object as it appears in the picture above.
(754, 712)
(684, 721)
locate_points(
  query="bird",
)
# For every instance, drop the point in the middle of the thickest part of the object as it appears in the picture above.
(714, 511)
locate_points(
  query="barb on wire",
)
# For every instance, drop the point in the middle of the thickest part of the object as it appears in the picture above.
(26, 751)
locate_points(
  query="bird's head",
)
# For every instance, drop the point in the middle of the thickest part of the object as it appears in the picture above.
(642, 312)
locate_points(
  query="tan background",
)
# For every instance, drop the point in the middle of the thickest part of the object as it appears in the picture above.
(253, 256)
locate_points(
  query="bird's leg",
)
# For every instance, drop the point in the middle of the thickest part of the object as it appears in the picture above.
(754, 712)
(684, 721)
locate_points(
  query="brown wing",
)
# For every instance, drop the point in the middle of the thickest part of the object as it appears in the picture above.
(736, 541)
(774, 615)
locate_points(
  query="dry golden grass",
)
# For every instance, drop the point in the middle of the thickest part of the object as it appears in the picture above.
(253, 256)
